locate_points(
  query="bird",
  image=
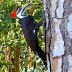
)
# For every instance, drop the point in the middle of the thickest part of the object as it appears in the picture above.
(30, 29)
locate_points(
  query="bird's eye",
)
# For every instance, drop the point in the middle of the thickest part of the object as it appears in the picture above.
(19, 9)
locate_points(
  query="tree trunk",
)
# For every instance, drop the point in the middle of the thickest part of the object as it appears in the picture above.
(58, 14)
(16, 59)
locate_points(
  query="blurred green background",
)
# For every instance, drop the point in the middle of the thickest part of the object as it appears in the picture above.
(13, 47)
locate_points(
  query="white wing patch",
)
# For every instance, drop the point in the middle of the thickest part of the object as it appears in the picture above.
(34, 31)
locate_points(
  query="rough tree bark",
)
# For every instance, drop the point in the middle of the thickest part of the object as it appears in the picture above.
(58, 14)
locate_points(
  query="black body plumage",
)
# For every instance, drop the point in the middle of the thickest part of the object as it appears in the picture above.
(29, 28)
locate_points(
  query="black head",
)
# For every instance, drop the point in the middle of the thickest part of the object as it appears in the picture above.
(21, 11)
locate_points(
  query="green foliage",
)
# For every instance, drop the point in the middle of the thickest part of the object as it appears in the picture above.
(11, 35)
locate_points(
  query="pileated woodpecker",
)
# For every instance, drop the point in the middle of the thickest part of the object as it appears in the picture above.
(30, 29)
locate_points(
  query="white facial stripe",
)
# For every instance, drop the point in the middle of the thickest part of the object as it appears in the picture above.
(19, 14)
(24, 10)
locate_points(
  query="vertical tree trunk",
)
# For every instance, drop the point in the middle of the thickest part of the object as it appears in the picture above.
(16, 59)
(58, 14)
